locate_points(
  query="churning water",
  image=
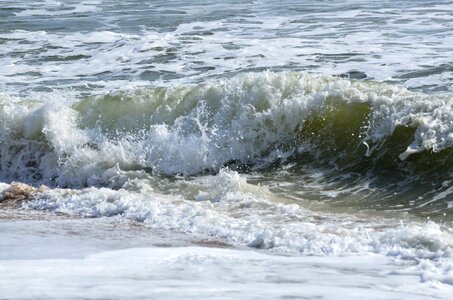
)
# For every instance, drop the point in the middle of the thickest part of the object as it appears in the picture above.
(319, 132)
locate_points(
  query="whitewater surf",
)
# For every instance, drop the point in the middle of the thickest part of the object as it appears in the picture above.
(149, 152)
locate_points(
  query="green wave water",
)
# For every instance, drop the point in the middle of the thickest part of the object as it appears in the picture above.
(376, 145)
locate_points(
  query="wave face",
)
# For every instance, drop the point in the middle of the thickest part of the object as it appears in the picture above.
(362, 138)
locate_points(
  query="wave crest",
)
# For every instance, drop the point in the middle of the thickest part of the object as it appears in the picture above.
(252, 120)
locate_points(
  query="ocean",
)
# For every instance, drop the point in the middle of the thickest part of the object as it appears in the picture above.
(226, 149)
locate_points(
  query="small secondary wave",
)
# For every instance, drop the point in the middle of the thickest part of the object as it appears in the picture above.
(243, 215)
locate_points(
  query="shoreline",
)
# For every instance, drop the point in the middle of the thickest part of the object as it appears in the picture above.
(25, 229)
(92, 258)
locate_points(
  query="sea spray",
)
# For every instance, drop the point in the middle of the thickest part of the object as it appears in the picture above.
(387, 135)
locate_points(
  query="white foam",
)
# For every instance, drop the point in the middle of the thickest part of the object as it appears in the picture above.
(392, 257)
(57, 8)
(3, 188)
(385, 42)
(194, 272)
(239, 214)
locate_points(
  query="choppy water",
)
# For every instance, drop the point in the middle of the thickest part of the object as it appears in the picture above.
(100, 45)
(314, 128)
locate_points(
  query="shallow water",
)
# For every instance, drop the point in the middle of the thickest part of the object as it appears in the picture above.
(313, 137)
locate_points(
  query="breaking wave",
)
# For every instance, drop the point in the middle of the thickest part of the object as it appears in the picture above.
(258, 122)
